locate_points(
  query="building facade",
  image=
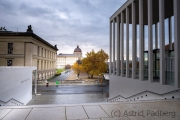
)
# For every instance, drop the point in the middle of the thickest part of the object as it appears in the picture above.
(68, 59)
(156, 74)
(28, 49)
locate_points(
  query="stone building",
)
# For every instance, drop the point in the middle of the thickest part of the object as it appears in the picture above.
(158, 74)
(28, 49)
(68, 59)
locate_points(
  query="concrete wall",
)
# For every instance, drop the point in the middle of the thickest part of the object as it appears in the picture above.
(127, 87)
(16, 83)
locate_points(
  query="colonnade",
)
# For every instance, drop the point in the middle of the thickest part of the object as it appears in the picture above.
(137, 15)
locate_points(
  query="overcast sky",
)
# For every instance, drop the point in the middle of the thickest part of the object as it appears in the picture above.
(67, 23)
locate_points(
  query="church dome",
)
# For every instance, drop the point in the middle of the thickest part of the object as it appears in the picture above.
(77, 49)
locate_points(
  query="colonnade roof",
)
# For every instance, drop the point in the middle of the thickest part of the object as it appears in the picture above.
(155, 4)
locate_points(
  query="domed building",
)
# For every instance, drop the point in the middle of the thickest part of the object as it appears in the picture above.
(77, 51)
(68, 59)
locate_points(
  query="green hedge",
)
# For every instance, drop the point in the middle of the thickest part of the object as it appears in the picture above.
(59, 70)
(57, 74)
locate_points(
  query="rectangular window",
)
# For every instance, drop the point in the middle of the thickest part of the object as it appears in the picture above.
(10, 48)
(42, 53)
(9, 62)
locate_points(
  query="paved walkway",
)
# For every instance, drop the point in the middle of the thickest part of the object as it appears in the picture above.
(82, 76)
(149, 110)
(68, 99)
(72, 76)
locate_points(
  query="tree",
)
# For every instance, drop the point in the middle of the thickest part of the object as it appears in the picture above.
(86, 65)
(95, 63)
(68, 66)
(77, 68)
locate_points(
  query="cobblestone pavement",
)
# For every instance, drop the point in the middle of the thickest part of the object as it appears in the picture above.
(139, 110)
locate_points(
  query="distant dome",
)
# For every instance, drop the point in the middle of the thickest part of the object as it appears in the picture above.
(77, 49)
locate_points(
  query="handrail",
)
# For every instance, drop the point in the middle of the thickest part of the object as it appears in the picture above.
(141, 93)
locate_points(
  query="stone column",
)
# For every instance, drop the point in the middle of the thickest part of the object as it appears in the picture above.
(122, 44)
(150, 42)
(118, 47)
(141, 41)
(110, 47)
(170, 32)
(114, 62)
(177, 42)
(39, 64)
(127, 42)
(162, 41)
(45, 65)
(134, 57)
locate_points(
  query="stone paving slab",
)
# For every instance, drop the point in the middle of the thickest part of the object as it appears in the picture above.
(115, 110)
(91, 119)
(4, 112)
(93, 111)
(54, 113)
(17, 114)
(118, 118)
(162, 110)
(75, 112)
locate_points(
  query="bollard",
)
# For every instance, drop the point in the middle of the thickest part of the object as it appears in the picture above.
(47, 84)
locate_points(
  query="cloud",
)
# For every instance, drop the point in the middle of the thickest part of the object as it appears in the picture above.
(67, 23)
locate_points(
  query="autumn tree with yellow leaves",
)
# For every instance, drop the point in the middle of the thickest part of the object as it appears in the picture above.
(95, 63)
(77, 68)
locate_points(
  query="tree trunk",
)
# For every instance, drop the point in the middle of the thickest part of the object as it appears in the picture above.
(92, 76)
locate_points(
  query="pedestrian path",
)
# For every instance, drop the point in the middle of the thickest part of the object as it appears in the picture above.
(68, 99)
(82, 76)
(144, 110)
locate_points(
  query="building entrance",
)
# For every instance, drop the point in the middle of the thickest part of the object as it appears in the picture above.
(169, 71)
(156, 65)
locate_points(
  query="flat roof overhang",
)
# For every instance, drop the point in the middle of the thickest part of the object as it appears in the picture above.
(155, 3)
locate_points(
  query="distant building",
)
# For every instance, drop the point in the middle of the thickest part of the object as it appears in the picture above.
(28, 49)
(68, 59)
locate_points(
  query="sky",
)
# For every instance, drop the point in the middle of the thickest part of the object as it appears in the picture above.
(67, 23)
